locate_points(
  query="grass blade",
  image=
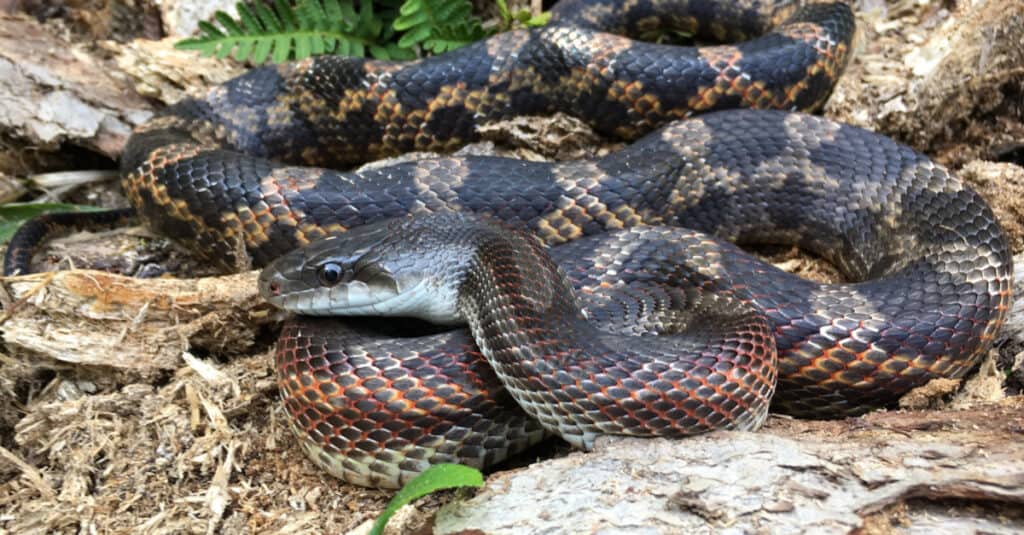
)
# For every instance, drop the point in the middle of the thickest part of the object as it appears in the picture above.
(12, 215)
(437, 477)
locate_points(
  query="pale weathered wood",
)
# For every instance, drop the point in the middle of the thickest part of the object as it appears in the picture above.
(791, 477)
(52, 90)
(96, 318)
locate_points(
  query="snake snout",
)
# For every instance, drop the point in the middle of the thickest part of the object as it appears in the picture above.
(274, 285)
(273, 288)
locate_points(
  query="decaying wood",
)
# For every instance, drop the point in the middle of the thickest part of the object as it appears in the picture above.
(162, 72)
(791, 477)
(96, 318)
(181, 18)
(10, 189)
(545, 138)
(52, 90)
(929, 70)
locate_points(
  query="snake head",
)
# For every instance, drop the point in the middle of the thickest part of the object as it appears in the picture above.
(399, 267)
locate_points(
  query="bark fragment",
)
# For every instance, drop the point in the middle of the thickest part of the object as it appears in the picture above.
(791, 477)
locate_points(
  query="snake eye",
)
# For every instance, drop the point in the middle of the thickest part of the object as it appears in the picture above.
(330, 274)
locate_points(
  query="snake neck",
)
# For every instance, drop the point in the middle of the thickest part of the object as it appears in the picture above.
(581, 381)
(512, 286)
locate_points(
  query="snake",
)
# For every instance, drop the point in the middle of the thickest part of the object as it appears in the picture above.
(664, 323)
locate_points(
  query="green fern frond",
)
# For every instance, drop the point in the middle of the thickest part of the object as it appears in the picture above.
(383, 29)
(438, 25)
(509, 19)
(310, 27)
(452, 36)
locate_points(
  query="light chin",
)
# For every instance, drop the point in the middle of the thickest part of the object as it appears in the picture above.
(346, 301)
(418, 303)
(421, 301)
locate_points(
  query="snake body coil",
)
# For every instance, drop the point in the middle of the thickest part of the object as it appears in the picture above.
(635, 332)
(930, 265)
(207, 171)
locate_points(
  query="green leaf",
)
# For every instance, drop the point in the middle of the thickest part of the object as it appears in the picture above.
(438, 25)
(222, 52)
(303, 46)
(348, 11)
(287, 15)
(366, 19)
(385, 29)
(261, 50)
(410, 7)
(400, 53)
(250, 21)
(268, 18)
(437, 477)
(307, 13)
(332, 11)
(412, 37)
(318, 46)
(524, 17)
(12, 215)
(538, 20)
(412, 20)
(228, 23)
(282, 46)
(210, 29)
(243, 50)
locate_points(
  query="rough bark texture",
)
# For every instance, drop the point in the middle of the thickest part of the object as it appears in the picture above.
(935, 73)
(99, 319)
(51, 91)
(182, 18)
(791, 477)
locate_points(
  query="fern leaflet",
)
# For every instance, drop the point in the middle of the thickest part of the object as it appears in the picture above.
(284, 32)
(438, 25)
(383, 29)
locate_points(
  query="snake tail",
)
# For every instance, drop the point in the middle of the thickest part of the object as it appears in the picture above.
(30, 237)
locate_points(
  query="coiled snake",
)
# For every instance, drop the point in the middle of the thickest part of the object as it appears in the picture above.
(931, 266)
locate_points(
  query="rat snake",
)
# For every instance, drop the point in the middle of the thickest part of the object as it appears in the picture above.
(374, 404)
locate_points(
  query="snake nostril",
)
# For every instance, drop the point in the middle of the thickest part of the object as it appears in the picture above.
(275, 288)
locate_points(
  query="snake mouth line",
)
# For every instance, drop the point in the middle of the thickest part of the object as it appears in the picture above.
(357, 298)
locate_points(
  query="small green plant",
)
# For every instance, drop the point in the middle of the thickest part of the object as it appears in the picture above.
(509, 18)
(438, 25)
(437, 477)
(382, 29)
(12, 215)
(298, 31)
